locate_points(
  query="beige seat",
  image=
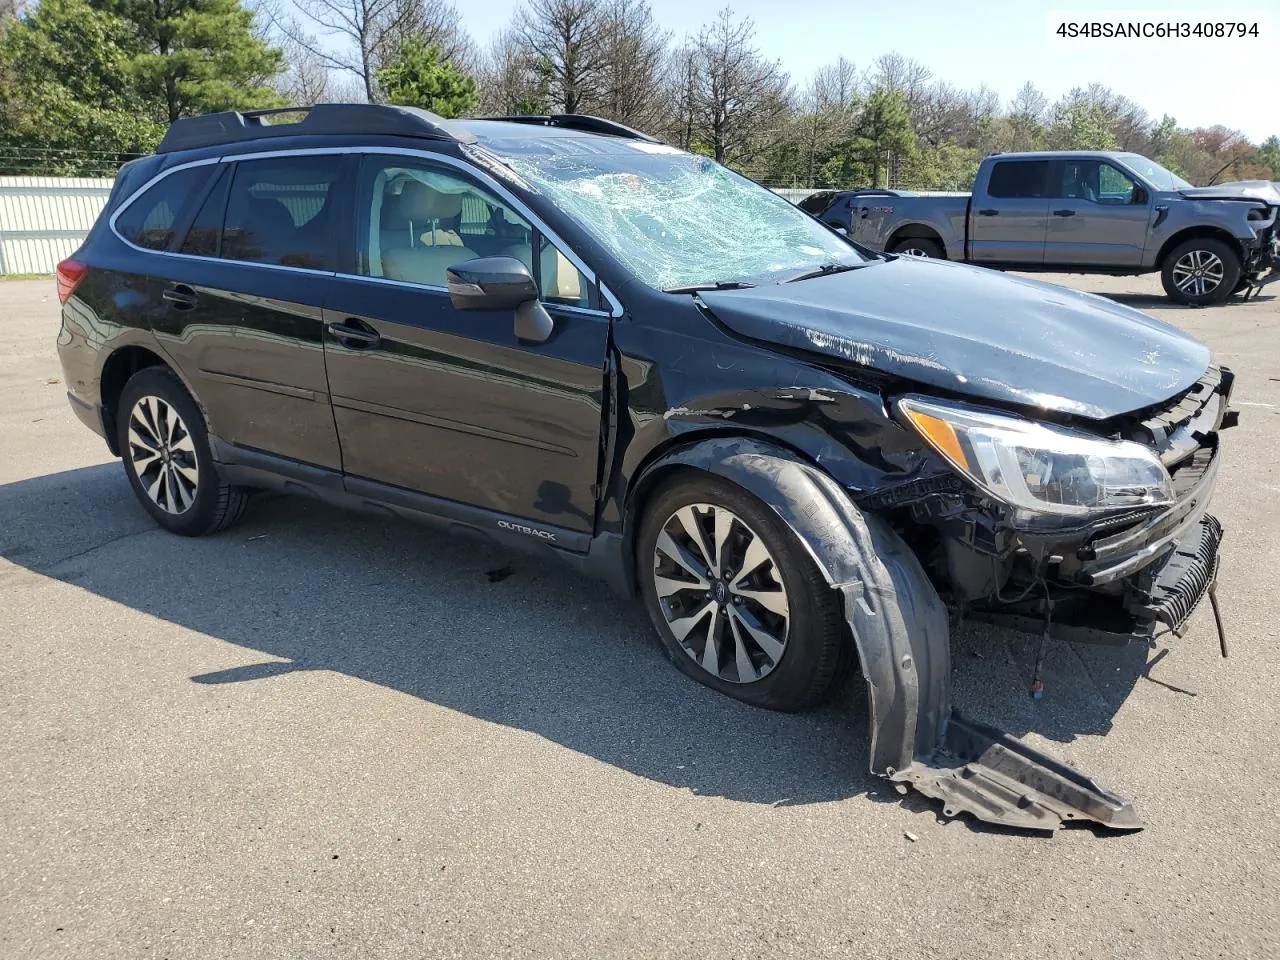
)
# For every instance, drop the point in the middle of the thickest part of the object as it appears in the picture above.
(561, 280)
(415, 245)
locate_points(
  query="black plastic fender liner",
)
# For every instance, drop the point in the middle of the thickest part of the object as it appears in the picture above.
(899, 626)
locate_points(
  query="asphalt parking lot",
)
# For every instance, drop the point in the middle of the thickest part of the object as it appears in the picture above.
(319, 734)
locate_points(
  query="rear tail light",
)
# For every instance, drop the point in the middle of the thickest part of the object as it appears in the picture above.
(69, 274)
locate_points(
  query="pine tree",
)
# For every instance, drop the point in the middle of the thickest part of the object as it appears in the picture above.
(197, 56)
(417, 78)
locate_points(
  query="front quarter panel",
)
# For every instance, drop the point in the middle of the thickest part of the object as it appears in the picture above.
(678, 387)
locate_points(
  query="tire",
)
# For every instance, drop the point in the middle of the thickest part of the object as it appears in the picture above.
(799, 674)
(919, 247)
(1201, 272)
(187, 496)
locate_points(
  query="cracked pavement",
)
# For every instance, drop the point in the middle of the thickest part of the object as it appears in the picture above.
(320, 733)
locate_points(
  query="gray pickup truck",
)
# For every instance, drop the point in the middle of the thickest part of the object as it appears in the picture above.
(1081, 212)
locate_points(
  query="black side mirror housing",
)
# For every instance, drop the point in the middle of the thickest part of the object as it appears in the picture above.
(1139, 194)
(490, 283)
(501, 283)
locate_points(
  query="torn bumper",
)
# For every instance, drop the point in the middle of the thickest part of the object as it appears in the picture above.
(1001, 780)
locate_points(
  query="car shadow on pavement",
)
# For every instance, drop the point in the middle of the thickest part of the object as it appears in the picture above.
(1142, 301)
(510, 639)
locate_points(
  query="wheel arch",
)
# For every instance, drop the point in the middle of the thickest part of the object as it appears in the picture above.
(915, 231)
(1195, 233)
(120, 365)
(902, 641)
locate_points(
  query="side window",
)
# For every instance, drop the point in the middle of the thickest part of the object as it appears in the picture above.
(1019, 179)
(206, 229)
(1113, 186)
(149, 220)
(279, 209)
(415, 220)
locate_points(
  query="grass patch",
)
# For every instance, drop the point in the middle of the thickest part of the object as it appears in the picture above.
(26, 276)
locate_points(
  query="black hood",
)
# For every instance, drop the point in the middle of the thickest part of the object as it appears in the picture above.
(987, 335)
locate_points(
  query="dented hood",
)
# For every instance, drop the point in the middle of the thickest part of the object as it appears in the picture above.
(988, 335)
(1263, 190)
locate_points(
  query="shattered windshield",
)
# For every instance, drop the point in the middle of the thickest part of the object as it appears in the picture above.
(675, 219)
(1153, 173)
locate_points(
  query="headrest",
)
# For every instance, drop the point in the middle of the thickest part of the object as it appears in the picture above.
(419, 203)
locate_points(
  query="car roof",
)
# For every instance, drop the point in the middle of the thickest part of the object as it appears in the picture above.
(1056, 154)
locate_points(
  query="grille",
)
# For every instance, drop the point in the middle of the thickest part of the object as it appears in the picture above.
(1171, 593)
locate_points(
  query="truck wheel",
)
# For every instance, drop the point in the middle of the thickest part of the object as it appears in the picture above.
(737, 602)
(919, 247)
(165, 447)
(1201, 272)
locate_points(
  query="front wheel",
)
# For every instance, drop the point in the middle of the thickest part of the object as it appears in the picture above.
(165, 447)
(1201, 272)
(737, 602)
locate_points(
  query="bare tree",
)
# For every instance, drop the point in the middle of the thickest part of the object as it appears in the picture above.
(512, 78)
(305, 80)
(829, 111)
(1027, 111)
(565, 35)
(740, 101)
(372, 31)
(633, 54)
(899, 74)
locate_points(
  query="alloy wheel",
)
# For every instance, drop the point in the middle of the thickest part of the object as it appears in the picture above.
(721, 593)
(1198, 273)
(163, 455)
(914, 252)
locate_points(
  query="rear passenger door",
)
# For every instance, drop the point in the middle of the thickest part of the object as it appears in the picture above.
(431, 400)
(243, 306)
(1008, 216)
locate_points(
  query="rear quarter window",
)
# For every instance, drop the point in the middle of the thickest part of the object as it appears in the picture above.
(149, 221)
(1019, 178)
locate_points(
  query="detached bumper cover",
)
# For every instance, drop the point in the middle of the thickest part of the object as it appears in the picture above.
(999, 779)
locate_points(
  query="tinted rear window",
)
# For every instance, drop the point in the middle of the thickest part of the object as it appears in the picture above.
(280, 211)
(1020, 178)
(150, 220)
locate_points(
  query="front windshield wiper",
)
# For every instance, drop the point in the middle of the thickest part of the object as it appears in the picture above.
(713, 285)
(825, 270)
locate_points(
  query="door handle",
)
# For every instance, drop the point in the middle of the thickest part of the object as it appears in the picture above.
(1064, 213)
(180, 295)
(989, 213)
(354, 333)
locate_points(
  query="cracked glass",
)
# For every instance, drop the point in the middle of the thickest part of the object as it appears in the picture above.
(674, 218)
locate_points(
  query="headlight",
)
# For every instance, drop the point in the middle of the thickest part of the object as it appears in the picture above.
(1038, 469)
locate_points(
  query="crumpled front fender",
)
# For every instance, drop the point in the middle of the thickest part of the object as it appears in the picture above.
(899, 626)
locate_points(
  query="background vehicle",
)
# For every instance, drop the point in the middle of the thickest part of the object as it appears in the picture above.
(564, 335)
(1081, 212)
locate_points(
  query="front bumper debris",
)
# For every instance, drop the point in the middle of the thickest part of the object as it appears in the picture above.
(985, 772)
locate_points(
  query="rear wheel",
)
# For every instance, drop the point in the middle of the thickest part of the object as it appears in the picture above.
(736, 601)
(165, 448)
(1201, 272)
(919, 247)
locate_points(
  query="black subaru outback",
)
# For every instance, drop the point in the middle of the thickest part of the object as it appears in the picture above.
(575, 339)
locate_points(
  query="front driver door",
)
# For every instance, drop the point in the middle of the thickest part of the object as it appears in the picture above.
(1098, 215)
(445, 402)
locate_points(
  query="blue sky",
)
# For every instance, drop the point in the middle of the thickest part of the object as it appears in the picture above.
(1004, 43)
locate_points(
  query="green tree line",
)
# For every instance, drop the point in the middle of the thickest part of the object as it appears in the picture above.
(85, 84)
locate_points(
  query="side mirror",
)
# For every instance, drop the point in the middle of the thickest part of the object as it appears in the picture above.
(501, 283)
(1139, 194)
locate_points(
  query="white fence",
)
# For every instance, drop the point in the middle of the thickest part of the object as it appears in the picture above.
(44, 219)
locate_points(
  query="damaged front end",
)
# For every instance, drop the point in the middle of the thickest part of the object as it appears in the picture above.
(1130, 576)
(902, 555)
